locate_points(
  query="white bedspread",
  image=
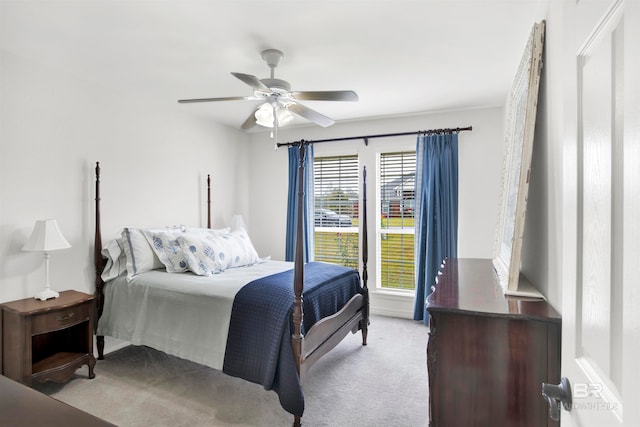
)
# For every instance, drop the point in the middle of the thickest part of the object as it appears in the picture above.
(179, 313)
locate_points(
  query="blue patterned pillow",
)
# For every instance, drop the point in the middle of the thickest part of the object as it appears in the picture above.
(211, 253)
(209, 232)
(166, 246)
(204, 256)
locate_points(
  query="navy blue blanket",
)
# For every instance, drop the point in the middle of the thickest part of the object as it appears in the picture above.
(259, 341)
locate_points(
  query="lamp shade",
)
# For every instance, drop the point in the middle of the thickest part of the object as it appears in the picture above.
(264, 115)
(284, 116)
(45, 237)
(237, 222)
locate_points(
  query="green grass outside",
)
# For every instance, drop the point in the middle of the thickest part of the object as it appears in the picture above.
(397, 272)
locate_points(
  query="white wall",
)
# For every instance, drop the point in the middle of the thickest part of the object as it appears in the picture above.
(480, 158)
(154, 164)
(55, 126)
(154, 161)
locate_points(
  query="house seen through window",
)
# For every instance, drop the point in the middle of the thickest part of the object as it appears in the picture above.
(395, 237)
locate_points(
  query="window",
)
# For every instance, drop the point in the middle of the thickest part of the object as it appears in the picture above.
(336, 193)
(395, 254)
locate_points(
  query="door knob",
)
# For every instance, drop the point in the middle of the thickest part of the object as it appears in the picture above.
(556, 394)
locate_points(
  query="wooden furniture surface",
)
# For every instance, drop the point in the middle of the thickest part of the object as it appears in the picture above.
(47, 340)
(488, 354)
(23, 406)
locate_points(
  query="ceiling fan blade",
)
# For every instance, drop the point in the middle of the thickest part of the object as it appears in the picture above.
(329, 95)
(251, 120)
(252, 81)
(310, 114)
(229, 98)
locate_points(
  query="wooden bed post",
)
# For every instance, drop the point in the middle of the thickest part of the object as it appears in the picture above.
(364, 324)
(297, 338)
(298, 272)
(98, 262)
(208, 201)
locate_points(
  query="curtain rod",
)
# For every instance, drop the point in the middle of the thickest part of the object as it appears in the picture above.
(367, 137)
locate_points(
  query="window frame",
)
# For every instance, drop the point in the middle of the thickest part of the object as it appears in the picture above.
(352, 256)
(380, 230)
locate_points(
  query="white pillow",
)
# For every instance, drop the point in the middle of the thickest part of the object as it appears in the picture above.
(240, 250)
(116, 259)
(140, 256)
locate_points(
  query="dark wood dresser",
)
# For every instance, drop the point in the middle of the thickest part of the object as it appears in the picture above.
(23, 406)
(488, 354)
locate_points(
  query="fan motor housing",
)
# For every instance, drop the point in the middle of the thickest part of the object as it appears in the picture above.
(277, 85)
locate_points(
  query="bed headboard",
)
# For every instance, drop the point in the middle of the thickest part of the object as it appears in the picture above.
(100, 262)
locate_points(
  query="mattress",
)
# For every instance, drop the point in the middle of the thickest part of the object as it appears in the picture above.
(181, 314)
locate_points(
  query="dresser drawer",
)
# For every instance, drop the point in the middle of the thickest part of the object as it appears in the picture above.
(58, 319)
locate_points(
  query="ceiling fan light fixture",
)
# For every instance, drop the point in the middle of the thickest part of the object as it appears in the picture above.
(264, 115)
(280, 104)
(284, 116)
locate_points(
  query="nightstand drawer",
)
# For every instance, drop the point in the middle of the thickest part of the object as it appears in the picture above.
(59, 319)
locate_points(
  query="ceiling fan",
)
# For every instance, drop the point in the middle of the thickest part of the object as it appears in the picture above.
(279, 100)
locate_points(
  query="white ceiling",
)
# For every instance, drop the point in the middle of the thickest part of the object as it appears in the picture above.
(401, 57)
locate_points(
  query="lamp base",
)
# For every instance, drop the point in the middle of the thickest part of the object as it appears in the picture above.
(46, 294)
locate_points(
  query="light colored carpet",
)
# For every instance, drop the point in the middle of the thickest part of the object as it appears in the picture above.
(382, 384)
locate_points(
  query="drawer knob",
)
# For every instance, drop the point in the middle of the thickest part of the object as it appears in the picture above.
(64, 317)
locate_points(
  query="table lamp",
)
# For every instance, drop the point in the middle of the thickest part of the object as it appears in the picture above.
(237, 222)
(46, 237)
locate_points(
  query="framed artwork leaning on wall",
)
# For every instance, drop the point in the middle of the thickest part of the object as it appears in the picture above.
(520, 124)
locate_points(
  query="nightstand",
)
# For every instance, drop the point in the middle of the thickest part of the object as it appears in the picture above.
(47, 340)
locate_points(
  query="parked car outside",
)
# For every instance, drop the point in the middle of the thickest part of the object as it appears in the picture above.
(328, 218)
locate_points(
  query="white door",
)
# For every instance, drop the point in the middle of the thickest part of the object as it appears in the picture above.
(601, 213)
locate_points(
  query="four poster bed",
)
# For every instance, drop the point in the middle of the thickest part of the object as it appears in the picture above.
(265, 321)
